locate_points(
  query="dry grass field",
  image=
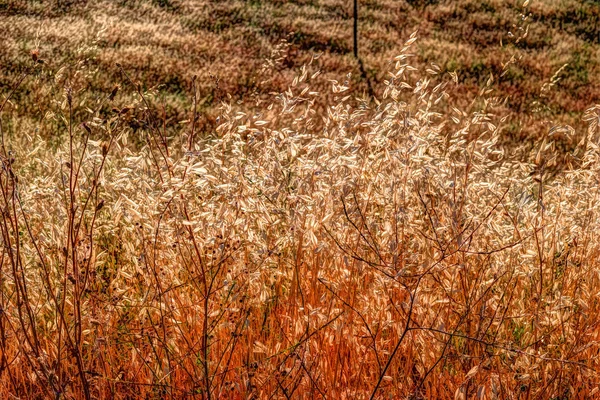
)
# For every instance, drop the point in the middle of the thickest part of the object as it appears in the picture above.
(211, 200)
(165, 43)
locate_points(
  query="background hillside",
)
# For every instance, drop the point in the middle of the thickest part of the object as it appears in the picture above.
(228, 44)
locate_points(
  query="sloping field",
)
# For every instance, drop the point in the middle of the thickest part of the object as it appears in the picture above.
(226, 43)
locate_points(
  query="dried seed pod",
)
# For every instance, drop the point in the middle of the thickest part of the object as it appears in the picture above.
(113, 93)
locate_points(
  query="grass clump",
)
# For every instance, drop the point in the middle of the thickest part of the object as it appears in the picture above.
(365, 249)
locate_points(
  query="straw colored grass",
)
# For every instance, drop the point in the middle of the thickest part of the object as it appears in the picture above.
(369, 249)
